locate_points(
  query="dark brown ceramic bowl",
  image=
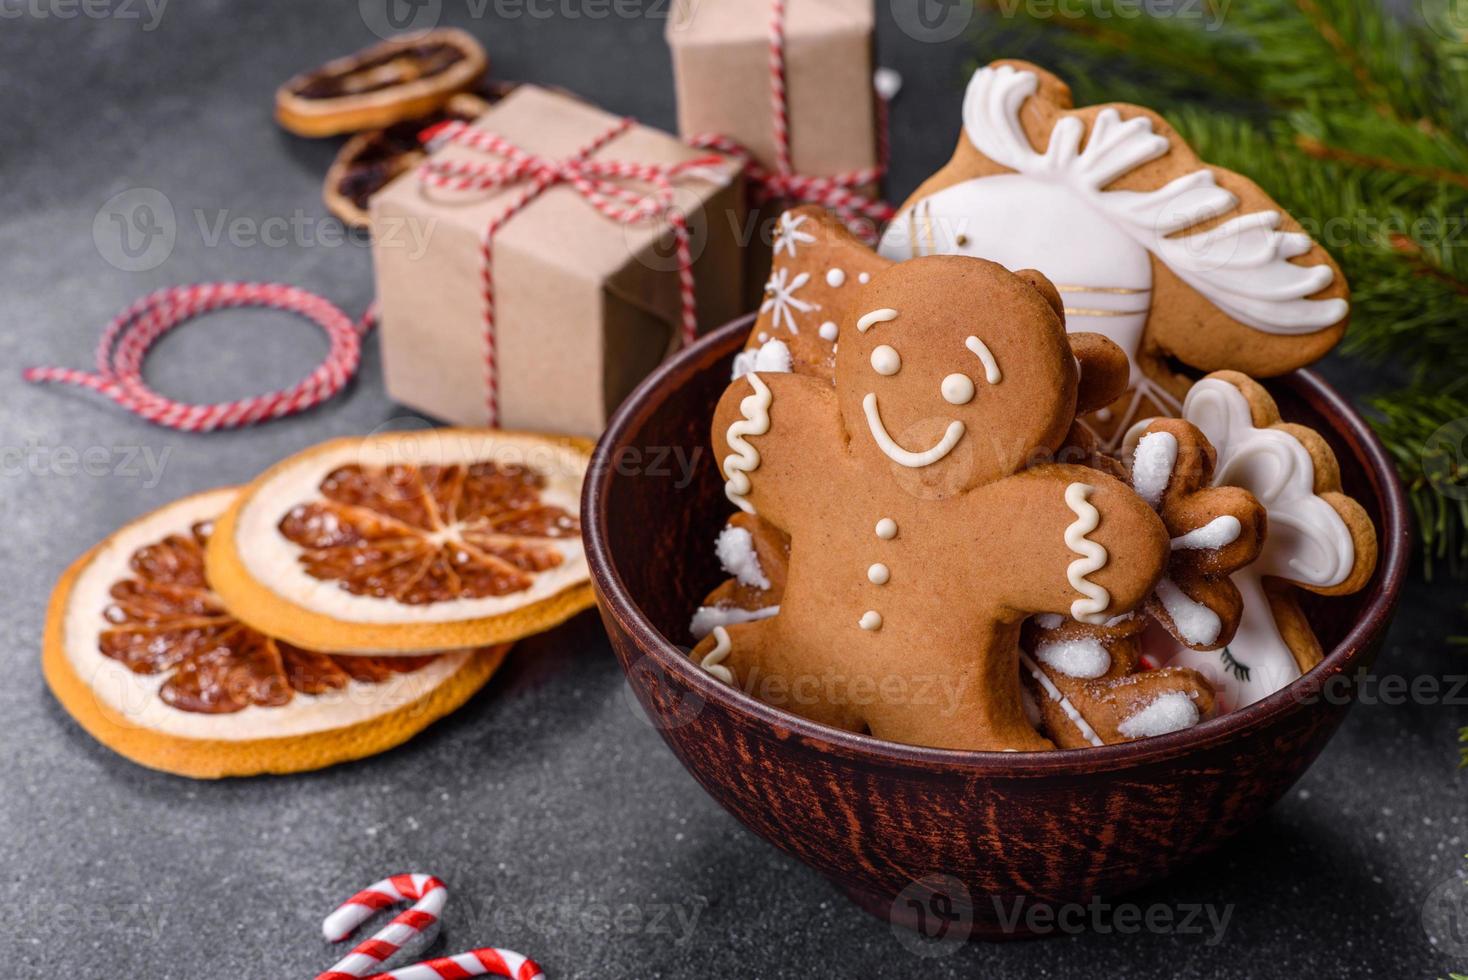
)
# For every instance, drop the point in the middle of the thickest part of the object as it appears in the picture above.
(893, 825)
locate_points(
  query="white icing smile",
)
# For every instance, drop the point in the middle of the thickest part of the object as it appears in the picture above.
(902, 456)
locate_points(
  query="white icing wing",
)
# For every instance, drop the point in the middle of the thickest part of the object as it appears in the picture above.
(1242, 266)
(1307, 541)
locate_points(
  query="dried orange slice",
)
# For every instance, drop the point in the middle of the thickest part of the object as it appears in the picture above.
(147, 658)
(381, 85)
(370, 161)
(401, 543)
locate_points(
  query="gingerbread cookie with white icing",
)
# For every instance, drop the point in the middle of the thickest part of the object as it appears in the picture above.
(816, 263)
(1215, 531)
(1318, 538)
(756, 555)
(1089, 682)
(1086, 684)
(1170, 257)
(924, 526)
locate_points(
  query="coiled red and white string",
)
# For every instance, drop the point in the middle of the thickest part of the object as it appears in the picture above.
(126, 341)
(428, 895)
(841, 192)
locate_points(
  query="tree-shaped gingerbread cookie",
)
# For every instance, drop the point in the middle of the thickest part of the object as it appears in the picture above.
(925, 521)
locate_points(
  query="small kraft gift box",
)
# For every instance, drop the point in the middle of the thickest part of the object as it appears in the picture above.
(790, 83)
(545, 259)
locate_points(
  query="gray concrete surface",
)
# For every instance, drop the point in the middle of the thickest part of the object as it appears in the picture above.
(563, 825)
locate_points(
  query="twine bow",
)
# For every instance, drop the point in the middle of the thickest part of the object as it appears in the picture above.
(841, 193)
(599, 182)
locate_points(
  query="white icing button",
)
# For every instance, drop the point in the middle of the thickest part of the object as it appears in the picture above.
(835, 278)
(864, 278)
(871, 620)
(886, 529)
(1103, 415)
(828, 330)
(763, 336)
(878, 574)
(886, 361)
(958, 389)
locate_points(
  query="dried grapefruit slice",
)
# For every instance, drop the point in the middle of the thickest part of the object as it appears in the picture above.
(147, 658)
(395, 80)
(401, 543)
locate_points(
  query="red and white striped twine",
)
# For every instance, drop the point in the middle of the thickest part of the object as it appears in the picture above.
(126, 341)
(594, 180)
(428, 895)
(838, 192)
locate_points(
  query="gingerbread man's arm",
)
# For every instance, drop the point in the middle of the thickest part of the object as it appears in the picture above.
(1092, 549)
(775, 436)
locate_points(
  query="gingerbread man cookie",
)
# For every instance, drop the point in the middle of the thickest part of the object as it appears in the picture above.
(1088, 681)
(1318, 538)
(817, 261)
(924, 526)
(1166, 255)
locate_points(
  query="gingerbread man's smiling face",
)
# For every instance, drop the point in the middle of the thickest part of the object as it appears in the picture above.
(953, 372)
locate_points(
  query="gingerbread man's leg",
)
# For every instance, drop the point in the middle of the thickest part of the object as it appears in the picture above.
(977, 706)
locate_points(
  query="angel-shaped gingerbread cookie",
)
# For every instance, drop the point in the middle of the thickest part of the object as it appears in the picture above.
(1088, 682)
(1318, 539)
(1166, 255)
(925, 525)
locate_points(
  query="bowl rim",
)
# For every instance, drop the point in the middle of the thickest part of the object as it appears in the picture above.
(1394, 548)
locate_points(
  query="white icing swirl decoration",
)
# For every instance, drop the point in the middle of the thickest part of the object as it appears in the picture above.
(1090, 608)
(713, 661)
(755, 421)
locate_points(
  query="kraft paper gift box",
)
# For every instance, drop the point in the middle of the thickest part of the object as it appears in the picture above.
(721, 69)
(585, 305)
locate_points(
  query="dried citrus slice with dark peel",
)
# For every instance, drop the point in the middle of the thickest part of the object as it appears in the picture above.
(384, 84)
(147, 658)
(407, 542)
(372, 160)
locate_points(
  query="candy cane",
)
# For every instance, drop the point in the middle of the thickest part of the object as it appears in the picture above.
(428, 895)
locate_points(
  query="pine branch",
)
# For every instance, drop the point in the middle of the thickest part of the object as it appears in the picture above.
(1411, 424)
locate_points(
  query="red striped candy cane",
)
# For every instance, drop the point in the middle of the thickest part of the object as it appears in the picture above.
(126, 342)
(428, 895)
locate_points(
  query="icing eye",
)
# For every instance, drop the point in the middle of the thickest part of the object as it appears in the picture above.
(885, 360)
(958, 389)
